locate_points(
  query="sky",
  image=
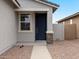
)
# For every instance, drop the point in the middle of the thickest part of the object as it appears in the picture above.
(67, 7)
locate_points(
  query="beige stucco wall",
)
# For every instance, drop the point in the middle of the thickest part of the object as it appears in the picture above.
(75, 20)
(8, 29)
(67, 22)
(30, 5)
(70, 32)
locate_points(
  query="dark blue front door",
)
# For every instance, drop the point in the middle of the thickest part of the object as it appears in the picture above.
(41, 26)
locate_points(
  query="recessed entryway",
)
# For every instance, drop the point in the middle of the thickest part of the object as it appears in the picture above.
(40, 26)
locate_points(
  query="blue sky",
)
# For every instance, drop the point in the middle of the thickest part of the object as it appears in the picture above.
(67, 7)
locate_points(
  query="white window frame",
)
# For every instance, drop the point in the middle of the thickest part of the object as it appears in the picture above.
(63, 22)
(70, 21)
(19, 24)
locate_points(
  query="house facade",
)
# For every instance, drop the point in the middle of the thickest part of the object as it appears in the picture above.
(25, 21)
(40, 19)
(72, 19)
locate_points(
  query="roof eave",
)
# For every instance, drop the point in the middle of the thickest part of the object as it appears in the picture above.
(16, 3)
(55, 8)
(64, 19)
(51, 5)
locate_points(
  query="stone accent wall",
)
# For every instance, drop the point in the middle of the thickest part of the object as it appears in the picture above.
(49, 38)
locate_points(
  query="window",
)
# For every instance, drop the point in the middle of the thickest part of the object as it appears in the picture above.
(63, 22)
(24, 22)
(70, 21)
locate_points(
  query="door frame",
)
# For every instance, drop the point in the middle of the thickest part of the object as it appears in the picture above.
(45, 25)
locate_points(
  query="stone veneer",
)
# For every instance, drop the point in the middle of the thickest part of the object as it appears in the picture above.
(49, 38)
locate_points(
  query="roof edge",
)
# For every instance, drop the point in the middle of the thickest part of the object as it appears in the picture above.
(68, 17)
(48, 3)
(16, 3)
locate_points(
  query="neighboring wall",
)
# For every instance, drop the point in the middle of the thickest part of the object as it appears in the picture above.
(75, 20)
(8, 29)
(70, 32)
(65, 22)
(58, 32)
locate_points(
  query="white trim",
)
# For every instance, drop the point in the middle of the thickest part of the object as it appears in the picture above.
(63, 22)
(15, 3)
(19, 29)
(7, 48)
(49, 32)
(31, 9)
(70, 21)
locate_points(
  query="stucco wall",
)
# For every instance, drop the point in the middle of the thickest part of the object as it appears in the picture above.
(49, 21)
(70, 31)
(32, 5)
(58, 32)
(75, 20)
(8, 29)
(67, 22)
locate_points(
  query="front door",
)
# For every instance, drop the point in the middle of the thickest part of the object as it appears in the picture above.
(40, 26)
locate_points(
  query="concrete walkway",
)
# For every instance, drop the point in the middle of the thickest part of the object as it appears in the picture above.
(40, 52)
